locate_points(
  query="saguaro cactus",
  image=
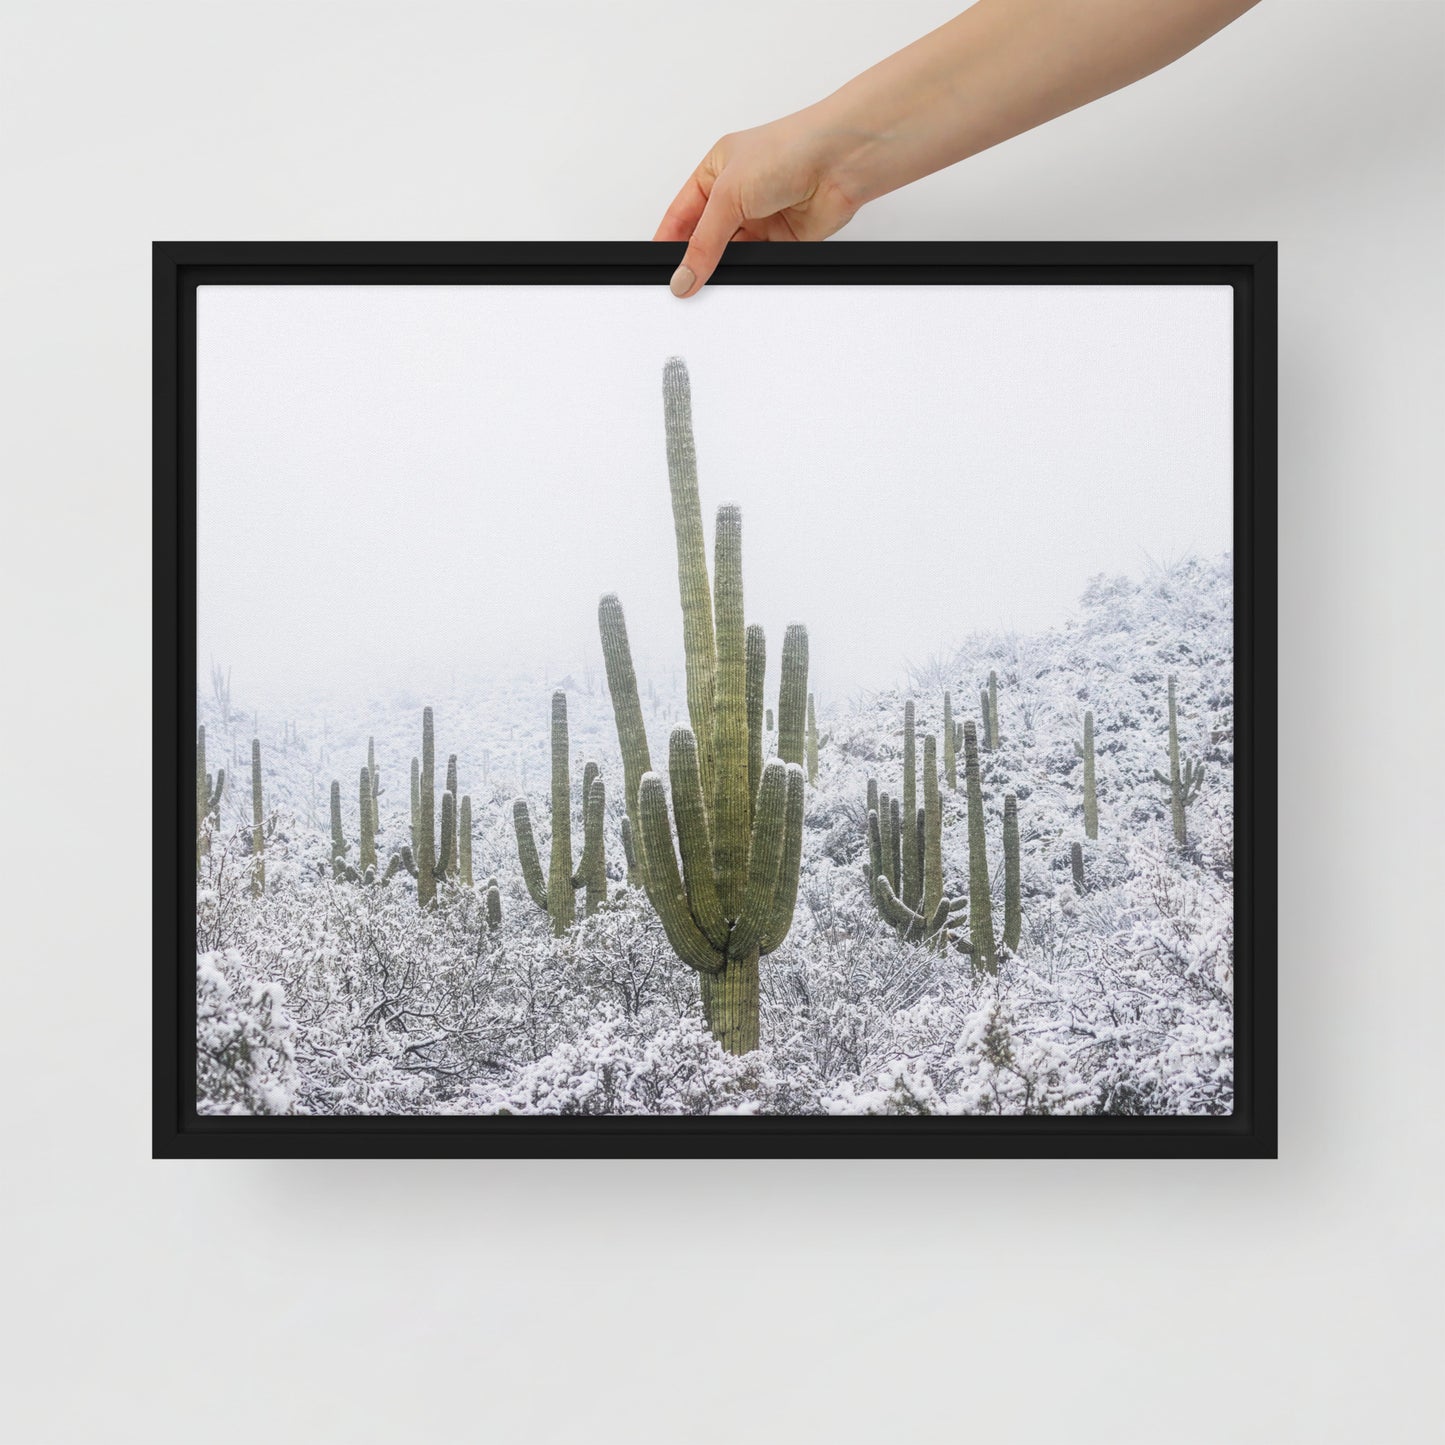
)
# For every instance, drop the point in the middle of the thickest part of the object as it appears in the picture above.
(993, 733)
(980, 902)
(912, 871)
(208, 797)
(983, 715)
(1086, 752)
(258, 833)
(732, 902)
(812, 743)
(950, 743)
(555, 894)
(1183, 782)
(415, 800)
(769, 719)
(1076, 863)
(1012, 901)
(366, 859)
(936, 915)
(494, 905)
(433, 862)
(374, 799)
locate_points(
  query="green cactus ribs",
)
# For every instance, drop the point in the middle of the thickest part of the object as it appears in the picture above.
(555, 894)
(725, 891)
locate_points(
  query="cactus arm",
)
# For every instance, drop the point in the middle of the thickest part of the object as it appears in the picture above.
(665, 883)
(729, 811)
(452, 788)
(932, 829)
(765, 859)
(338, 837)
(885, 833)
(785, 896)
(875, 849)
(628, 849)
(872, 805)
(896, 912)
(527, 854)
(449, 832)
(793, 694)
(698, 641)
(415, 800)
(694, 842)
(393, 867)
(895, 861)
(627, 709)
(757, 667)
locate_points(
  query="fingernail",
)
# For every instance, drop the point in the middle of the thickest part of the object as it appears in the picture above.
(682, 280)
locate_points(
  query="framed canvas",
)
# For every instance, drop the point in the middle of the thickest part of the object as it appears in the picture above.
(831, 716)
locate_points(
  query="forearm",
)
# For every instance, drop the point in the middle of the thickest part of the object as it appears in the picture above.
(1000, 68)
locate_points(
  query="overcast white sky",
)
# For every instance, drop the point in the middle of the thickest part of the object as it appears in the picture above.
(399, 481)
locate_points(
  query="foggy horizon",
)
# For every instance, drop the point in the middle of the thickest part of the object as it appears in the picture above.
(401, 484)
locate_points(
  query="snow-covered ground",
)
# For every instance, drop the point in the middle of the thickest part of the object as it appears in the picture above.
(327, 997)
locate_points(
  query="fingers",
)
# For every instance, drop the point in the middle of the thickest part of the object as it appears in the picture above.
(682, 215)
(721, 217)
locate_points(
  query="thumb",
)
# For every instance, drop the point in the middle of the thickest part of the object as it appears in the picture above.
(718, 224)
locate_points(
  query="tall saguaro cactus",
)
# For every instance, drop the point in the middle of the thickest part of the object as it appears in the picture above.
(208, 797)
(980, 901)
(1183, 781)
(366, 859)
(912, 872)
(1086, 752)
(732, 900)
(433, 862)
(555, 894)
(258, 832)
(1012, 901)
(464, 829)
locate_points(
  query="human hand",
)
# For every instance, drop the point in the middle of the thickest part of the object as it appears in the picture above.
(776, 182)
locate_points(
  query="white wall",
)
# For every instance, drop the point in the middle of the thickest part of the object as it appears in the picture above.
(1293, 1301)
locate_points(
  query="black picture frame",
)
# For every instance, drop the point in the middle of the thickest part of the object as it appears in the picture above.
(1249, 268)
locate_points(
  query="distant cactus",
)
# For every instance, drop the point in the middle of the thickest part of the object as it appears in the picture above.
(888, 852)
(1183, 782)
(494, 905)
(812, 743)
(984, 740)
(453, 851)
(912, 873)
(208, 798)
(1086, 752)
(341, 870)
(1012, 902)
(258, 835)
(1076, 862)
(366, 858)
(740, 850)
(555, 894)
(769, 719)
(464, 828)
(415, 800)
(376, 789)
(993, 733)
(433, 859)
(980, 902)
(950, 743)
(629, 852)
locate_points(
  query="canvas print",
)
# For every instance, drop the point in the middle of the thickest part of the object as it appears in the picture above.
(813, 700)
